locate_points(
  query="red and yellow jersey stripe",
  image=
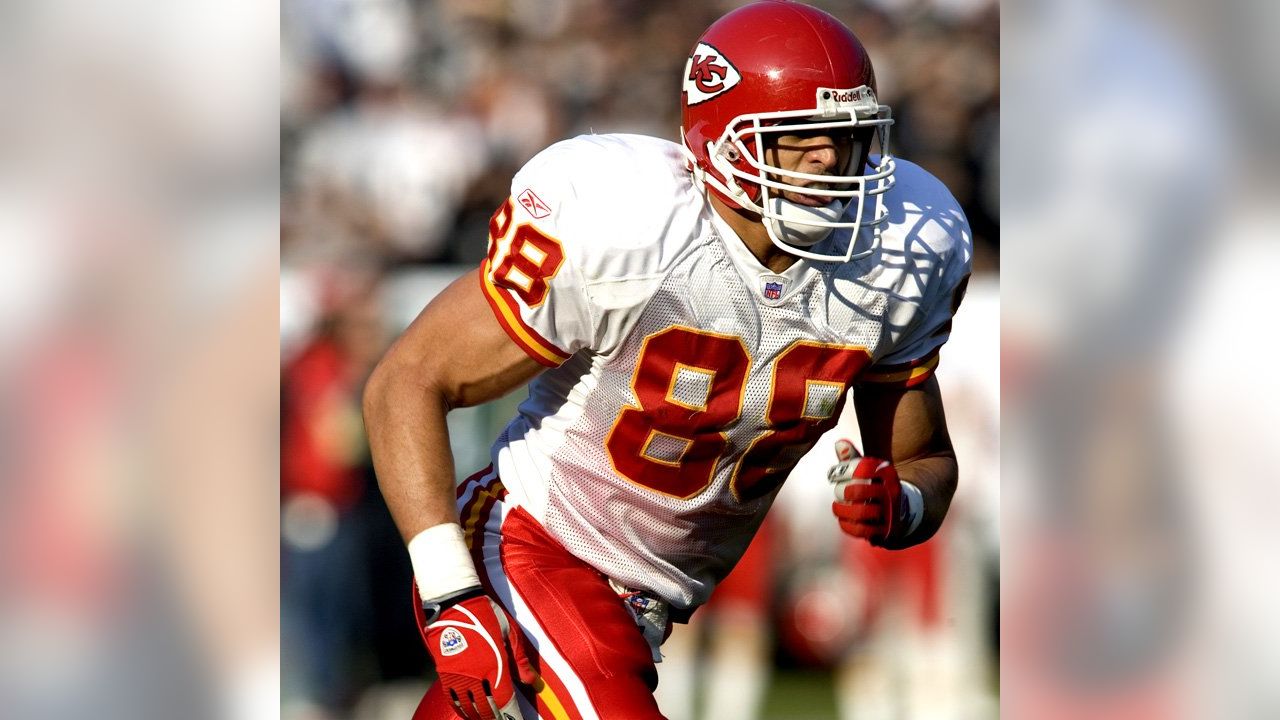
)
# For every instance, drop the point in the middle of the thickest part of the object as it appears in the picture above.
(908, 374)
(507, 310)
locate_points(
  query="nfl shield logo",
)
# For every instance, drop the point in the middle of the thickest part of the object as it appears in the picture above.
(772, 290)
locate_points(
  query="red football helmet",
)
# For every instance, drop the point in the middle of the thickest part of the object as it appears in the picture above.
(781, 67)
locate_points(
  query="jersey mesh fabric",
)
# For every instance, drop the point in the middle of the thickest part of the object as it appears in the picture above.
(626, 282)
(679, 548)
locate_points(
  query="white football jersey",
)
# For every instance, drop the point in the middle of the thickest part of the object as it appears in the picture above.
(686, 378)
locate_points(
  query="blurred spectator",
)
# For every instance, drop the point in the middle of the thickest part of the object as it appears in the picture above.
(726, 648)
(326, 589)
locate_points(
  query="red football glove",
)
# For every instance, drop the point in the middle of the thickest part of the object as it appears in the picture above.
(868, 494)
(478, 650)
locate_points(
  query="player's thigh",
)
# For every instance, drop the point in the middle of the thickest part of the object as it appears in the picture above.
(592, 657)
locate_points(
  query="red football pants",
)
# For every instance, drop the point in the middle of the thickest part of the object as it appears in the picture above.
(593, 660)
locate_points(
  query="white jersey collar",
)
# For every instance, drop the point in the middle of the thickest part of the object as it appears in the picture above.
(768, 287)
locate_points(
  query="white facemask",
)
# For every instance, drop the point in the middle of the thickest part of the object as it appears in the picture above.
(793, 223)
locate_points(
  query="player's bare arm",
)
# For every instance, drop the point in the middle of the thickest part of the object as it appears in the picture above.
(453, 355)
(908, 427)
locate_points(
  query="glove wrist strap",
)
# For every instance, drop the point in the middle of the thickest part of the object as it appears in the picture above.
(432, 609)
(442, 563)
(910, 508)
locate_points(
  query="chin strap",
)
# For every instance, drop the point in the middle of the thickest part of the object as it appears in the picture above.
(786, 221)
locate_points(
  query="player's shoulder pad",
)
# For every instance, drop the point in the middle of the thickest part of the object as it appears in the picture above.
(612, 201)
(925, 220)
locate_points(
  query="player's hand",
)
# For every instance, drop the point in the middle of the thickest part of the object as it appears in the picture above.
(868, 494)
(479, 652)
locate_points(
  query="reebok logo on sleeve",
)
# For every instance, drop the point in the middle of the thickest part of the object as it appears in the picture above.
(533, 204)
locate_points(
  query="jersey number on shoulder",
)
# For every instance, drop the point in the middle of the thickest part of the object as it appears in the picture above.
(532, 259)
(689, 385)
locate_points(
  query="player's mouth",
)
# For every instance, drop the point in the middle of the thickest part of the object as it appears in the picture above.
(806, 199)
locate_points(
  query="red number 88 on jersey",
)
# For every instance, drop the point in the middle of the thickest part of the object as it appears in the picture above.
(689, 386)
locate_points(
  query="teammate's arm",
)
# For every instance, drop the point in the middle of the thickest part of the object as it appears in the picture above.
(455, 354)
(908, 427)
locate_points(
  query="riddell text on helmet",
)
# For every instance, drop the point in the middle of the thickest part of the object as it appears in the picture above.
(844, 96)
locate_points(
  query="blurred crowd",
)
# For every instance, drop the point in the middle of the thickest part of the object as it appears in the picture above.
(404, 121)
(402, 124)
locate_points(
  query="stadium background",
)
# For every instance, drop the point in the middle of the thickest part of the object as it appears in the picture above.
(139, 349)
(402, 123)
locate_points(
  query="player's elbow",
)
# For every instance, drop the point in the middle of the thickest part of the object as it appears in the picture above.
(940, 476)
(397, 384)
(372, 400)
(949, 475)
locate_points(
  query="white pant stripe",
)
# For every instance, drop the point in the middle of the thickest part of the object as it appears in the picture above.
(516, 605)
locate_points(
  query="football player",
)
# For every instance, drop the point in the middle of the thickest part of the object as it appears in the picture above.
(689, 318)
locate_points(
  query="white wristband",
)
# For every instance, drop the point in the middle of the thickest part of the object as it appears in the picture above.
(441, 562)
(911, 510)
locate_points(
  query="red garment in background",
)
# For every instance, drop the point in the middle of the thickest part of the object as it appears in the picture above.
(321, 437)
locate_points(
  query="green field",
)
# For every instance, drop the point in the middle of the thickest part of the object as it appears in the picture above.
(800, 695)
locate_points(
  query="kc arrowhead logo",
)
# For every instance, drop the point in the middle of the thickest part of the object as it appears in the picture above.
(708, 73)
